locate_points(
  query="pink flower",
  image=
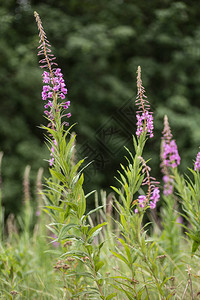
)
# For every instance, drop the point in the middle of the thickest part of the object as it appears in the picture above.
(46, 78)
(165, 178)
(51, 161)
(56, 88)
(63, 90)
(54, 243)
(49, 104)
(152, 205)
(179, 220)
(142, 200)
(155, 195)
(66, 105)
(58, 72)
(50, 95)
(168, 189)
(47, 113)
(44, 96)
(38, 212)
(197, 163)
(154, 198)
(62, 96)
(46, 88)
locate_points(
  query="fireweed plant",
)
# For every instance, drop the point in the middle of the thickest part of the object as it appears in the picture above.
(64, 195)
(107, 252)
(170, 159)
(146, 277)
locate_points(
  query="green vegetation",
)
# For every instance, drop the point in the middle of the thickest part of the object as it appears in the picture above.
(99, 45)
(138, 242)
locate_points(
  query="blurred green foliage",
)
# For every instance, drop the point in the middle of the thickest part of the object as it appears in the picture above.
(98, 45)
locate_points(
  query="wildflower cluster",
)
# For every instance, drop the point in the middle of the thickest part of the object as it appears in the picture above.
(144, 116)
(54, 88)
(154, 198)
(153, 194)
(107, 252)
(169, 156)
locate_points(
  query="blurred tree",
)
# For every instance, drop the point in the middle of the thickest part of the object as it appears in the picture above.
(99, 45)
(21, 140)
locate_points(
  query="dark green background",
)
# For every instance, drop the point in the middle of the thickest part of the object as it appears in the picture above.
(98, 45)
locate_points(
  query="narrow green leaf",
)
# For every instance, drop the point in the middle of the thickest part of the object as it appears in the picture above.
(94, 229)
(111, 296)
(195, 246)
(55, 208)
(120, 256)
(128, 252)
(65, 229)
(59, 176)
(98, 266)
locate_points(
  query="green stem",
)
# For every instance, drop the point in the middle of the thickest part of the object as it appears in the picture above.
(145, 258)
(84, 237)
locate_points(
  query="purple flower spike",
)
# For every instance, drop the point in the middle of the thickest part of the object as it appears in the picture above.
(54, 88)
(147, 120)
(153, 194)
(169, 156)
(144, 116)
